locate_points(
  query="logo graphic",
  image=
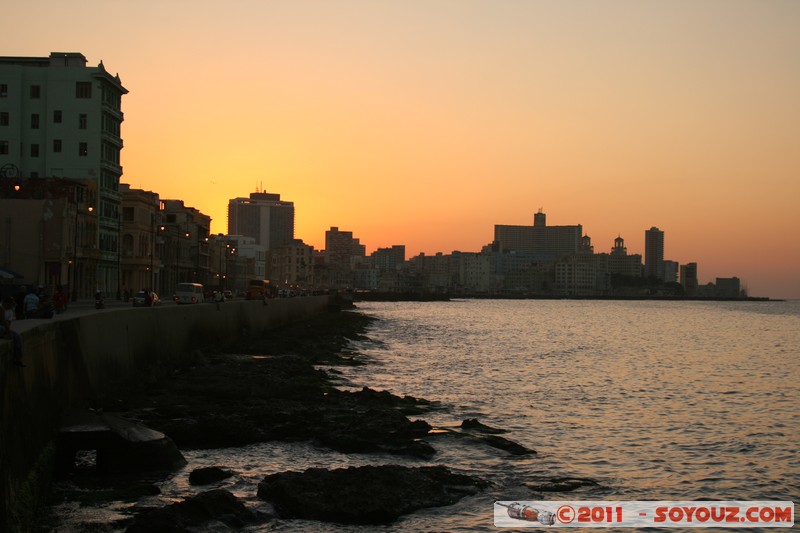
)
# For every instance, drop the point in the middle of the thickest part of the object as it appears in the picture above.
(639, 514)
(518, 511)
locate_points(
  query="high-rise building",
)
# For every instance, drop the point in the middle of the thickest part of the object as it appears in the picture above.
(389, 259)
(539, 238)
(688, 278)
(654, 253)
(60, 118)
(263, 216)
(341, 247)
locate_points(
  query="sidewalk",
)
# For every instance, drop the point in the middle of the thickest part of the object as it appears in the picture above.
(74, 309)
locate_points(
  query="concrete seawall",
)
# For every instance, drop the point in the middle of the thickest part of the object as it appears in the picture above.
(74, 362)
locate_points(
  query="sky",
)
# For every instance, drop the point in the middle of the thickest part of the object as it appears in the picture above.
(426, 123)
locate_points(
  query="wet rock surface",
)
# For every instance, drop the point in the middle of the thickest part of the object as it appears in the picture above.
(277, 393)
(211, 474)
(364, 495)
(473, 424)
(218, 506)
(479, 433)
(563, 484)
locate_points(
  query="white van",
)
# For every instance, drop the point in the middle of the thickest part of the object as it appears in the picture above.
(189, 293)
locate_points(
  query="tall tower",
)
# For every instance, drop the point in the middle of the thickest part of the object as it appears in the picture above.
(654, 253)
(264, 217)
(61, 118)
(619, 246)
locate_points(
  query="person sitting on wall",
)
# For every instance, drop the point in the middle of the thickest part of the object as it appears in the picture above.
(60, 299)
(45, 309)
(30, 304)
(6, 317)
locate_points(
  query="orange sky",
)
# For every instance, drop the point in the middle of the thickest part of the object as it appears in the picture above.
(425, 123)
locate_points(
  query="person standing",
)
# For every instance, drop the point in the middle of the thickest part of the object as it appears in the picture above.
(6, 317)
(30, 304)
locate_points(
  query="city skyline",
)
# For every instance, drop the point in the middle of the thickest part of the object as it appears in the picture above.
(426, 125)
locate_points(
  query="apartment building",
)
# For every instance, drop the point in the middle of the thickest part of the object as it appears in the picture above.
(60, 118)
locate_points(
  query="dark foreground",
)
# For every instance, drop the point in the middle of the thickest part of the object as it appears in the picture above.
(270, 388)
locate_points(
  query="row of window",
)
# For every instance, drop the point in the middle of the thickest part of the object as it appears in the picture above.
(83, 148)
(83, 120)
(83, 89)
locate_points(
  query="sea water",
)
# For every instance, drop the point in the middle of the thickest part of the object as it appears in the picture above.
(653, 400)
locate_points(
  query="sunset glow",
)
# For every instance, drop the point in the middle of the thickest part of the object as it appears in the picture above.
(427, 123)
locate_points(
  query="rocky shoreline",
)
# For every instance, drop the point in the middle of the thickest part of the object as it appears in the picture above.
(272, 389)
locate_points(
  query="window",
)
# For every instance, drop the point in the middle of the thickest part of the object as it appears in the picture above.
(34, 150)
(82, 121)
(4, 118)
(127, 215)
(57, 116)
(3, 90)
(36, 92)
(35, 121)
(57, 146)
(83, 149)
(83, 89)
(3, 147)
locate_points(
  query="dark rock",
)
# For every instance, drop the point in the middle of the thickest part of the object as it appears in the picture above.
(235, 400)
(217, 505)
(364, 495)
(501, 443)
(563, 484)
(495, 441)
(211, 474)
(373, 431)
(472, 424)
(122, 445)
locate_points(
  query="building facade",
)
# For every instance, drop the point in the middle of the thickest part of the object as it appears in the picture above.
(141, 221)
(264, 217)
(61, 118)
(654, 253)
(539, 238)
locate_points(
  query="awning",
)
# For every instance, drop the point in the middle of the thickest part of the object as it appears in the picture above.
(6, 273)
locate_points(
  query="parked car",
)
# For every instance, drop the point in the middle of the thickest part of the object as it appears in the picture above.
(140, 299)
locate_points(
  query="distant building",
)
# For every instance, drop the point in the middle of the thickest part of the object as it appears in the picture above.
(620, 263)
(475, 272)
(264, 217)
(579, 275)
(342, 253)
(292, 265)
(49, 233)
(235, 260)
(688, 278)
(389, 259)
(432, 273)
(141, 220)
(654, 253)
(183, 234)
(61, 119)
(671, 269)
(539, 238)
(728, 287)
